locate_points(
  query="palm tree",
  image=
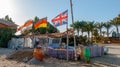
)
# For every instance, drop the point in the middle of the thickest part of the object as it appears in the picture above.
(95, 33)
(82, 26)
(76, 27)
(89, 28)
(36, 19)
(92, 27)
(52, 29)
(115, 23)
(107, 26)
(103, 33)
(100, 26)
(7, 18)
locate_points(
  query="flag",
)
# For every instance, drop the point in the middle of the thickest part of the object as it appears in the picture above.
(41, 23)
(61, 19)
(26, 26)
(29, 23)
(20, 28)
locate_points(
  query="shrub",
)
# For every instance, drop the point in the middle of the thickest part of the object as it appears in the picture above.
(5, 35)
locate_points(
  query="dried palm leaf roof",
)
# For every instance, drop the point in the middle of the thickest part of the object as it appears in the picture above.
(7, 23)
(52, 35)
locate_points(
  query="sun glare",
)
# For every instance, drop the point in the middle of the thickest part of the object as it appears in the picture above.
(6, 8)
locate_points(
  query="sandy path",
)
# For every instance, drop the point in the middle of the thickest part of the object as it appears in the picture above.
(111, 60)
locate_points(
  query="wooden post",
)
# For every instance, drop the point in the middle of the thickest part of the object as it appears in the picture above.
(67, 40)
(73, 28)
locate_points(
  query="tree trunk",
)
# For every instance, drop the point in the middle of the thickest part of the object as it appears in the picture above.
(82, 33)
(91, 37)
(108, 33)
(78, 32)
(88, 36)
(100, 32)
(117, 29)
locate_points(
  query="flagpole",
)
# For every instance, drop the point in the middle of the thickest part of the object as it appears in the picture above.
(47, 32)
(73, 29)
(33, 34)
(67, 40)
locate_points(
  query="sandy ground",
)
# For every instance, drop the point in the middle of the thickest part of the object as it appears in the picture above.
(9, 58)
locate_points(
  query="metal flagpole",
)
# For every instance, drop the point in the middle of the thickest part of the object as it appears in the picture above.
(73, 28)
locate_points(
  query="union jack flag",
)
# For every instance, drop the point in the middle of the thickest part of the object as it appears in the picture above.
(61, 19)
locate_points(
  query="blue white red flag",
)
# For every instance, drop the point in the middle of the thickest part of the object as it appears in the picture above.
(61, 19)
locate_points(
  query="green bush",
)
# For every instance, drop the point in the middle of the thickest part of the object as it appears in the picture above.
(5, 35)
(106, 39)
(99, 38)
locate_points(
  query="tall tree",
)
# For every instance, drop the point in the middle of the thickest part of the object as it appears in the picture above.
(92, 27)
(82, 26)
(96, 34)
(116, 24)
(107, 25)
(7, 18)
(103, 33)
(76, 27)
(89, 28)
(52, 29)
(36, 19)
(100, 26)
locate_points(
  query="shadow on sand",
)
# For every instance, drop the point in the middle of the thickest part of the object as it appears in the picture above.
(23, 55)
(26, 56)
(110, 60)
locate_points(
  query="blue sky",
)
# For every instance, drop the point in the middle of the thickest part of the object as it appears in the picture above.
(89, 10)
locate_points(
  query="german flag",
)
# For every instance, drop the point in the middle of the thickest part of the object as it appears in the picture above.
(42, 23)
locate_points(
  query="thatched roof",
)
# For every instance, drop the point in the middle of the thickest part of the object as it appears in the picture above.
(56, 35)
(7, 23)
(52, 35)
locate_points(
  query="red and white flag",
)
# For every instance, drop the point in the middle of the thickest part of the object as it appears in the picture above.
(26, 26)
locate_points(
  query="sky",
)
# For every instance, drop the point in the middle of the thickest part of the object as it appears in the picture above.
(89, 10)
